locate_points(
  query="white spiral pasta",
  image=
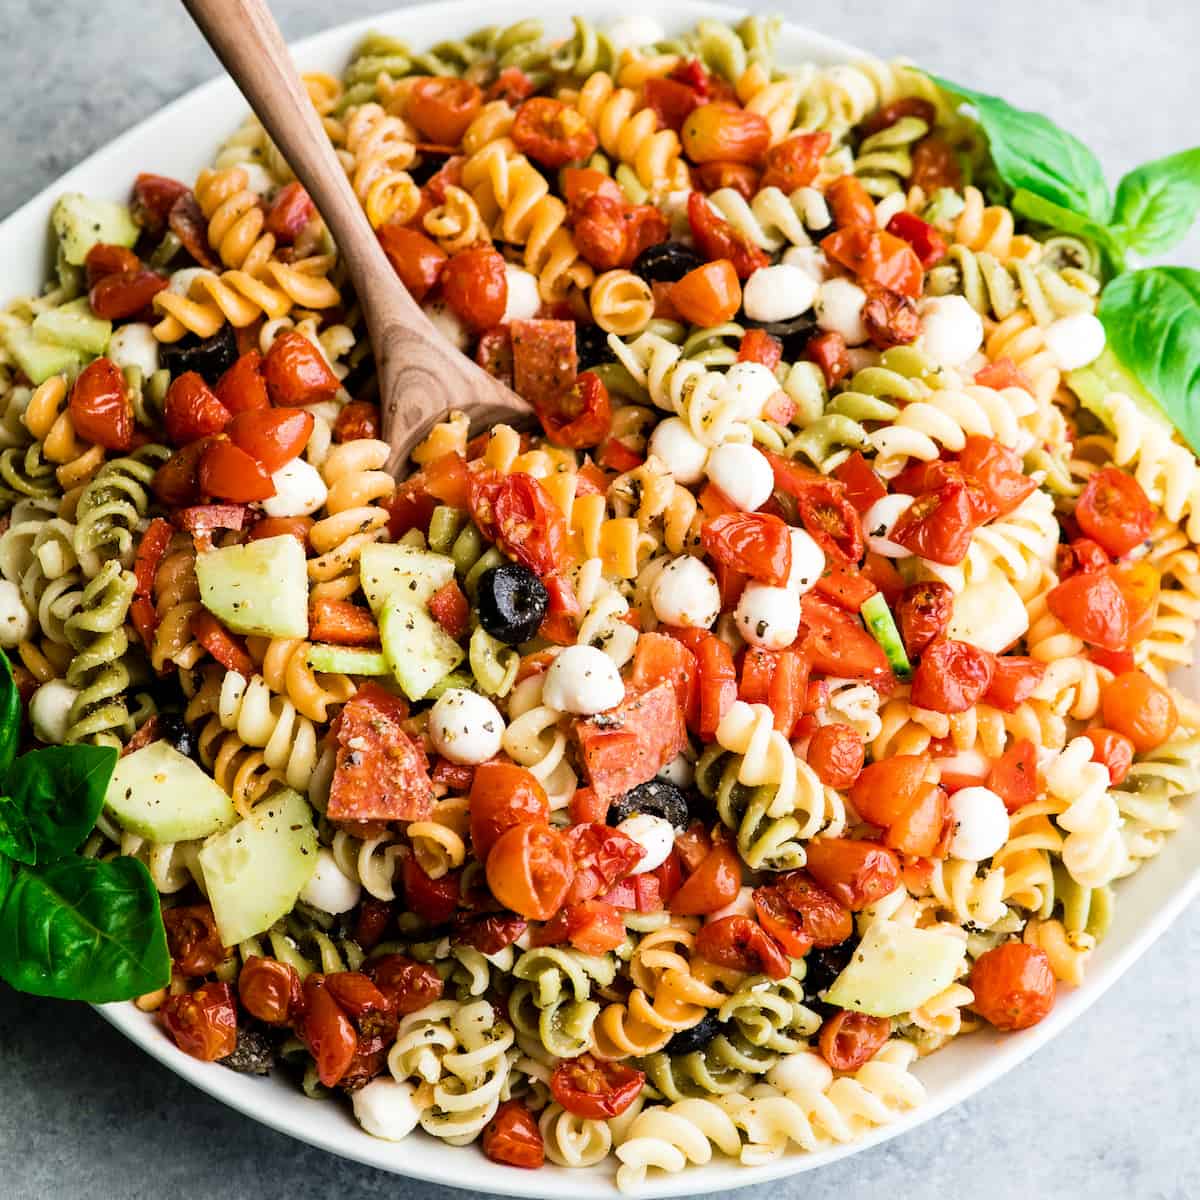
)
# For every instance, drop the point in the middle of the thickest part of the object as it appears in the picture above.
(573, 1141)
(372, 861)
(1094, 851)
(535, 738)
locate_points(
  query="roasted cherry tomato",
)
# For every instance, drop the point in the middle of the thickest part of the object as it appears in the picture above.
(512, 1137)
(952, 676)
(503, 795)
(99, 407)
(229, 473)
(1112, 608)
(781, 921)
(417, 259)
(755, 543)
(886, 789)
(242, 388)
(409, 985)
(202, 1023)
(849, 1040)
(794, 162)
(587, 1087)
(512, 86)
(1014, 680)
(1114, 750)
(274, 436)
(1114, 511)
(177, 481)
(125, 293)
(582, 417)
(738, 942)
(591, 926)
(1013, 985)
(529, 870)
(1013, 776)
(939, 524)
(923, 614)
(855, 873)
(475, 286)
(270, 990)
(433, 899)
(826, 921)
(850, 203)
(757, 345)
(153, 198)
(724, 133)
(296, 371)
(831, 520)
(877, 257)
(359, 419)
(1134, 705)
(602, 856)
(580, 184)
(105, 259)
(600, 233)
(645, 226)
(552, 133)
(712, 885)
(836, 753)
(191, 410)
(709, 295)
(489, 933)
(889, 114)
(371, 922)
(935, 165)
(716, 239)
(290, 212)
(357, 996)
(442, 108)
(327, 1031)
(671, 100)
(529, 525)
(193, 939)
(997, 471)
(890, 319)
(743, 179)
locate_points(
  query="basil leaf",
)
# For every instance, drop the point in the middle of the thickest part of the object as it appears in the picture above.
(1065, 220)
(83, 929)
(1031, 152)
(1152, 319)
(56, 796)
(10, 716)
(1158, 202)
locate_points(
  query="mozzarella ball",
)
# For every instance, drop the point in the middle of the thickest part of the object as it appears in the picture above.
(686, 593)
(16, 621)
(134, 345)
(951, 330)
(880, 519)
(768, 616)
(742, 474)
(181, 281)
(681, 453)
(747, 387)
(258, 179)
(328, 888)
(804, 1071)
(635, 31)
(681, 771)
(523, 300)
(1076, 340)
(839, 306)
(465, 727)
(778, 293)
(980, 823)
(583, 680)
(447, 323)
(655, 835)
(808, 562)
(299, 490)
(387, 1109)
(809, 259)
(50, 711)
(742, 905)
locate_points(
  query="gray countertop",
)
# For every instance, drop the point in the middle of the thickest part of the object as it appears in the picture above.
(1107, 1110)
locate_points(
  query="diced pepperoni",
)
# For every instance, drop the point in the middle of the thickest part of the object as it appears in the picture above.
(544, 360)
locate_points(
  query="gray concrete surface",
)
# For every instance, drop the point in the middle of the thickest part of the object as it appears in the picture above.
(1108, 1110)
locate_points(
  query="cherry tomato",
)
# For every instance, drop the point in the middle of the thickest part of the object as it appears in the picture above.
(1114, 511)
(341, 622)
(671, 100)
(741, 178)
(927, 243)
(886, 789)
(830, 353)
(717, 239)
(359, 419)
(883, 574)
(1013, 985)
(918, 830)
(849, 1040)
(357, 996)
(193, 939)
(512, 1137)
(529, 870)
(99, 408)
(433, 899)
(935, 165)
(1080, 557)
(530, 526)
(836, 753)
(1134, 705)
(824, 920)
(923, 614)
(781, 921)
(418, 260)
(1014, 679)
(274, 436)
(998, 473)
(268, 527)
(1013, 776)
(296, 371)
(712, 885)
(191, 410)
(475, 286)
(717, 678)
(723, 133)
(1114, 750)
(850, 203)
(580, 184)
(582, 417)
(645, 226)
(372, 921)
(202, 1023)
(1094, 607)
(512, 86)
(327, 1031)
(757, 345)
(738, 942)
(708, 295)
(177, 481)
(601, 856)
(442, 108)
(939, 524)
(408, 985)
(863, 486)
(855, 873)
(794, 162)
(837, 644)
(242, 388)
(877, 257)
(952, 676)
(600, 233)
(290, 212)
(228, 650)
(105, 259)
(489, 933)
(831, 520)
(153, 198)
(756, 543)
(124, 294)
(552, 133)
(586, 1087)
(229, 473)
(270, 990)
(890, 319)
(591, 926)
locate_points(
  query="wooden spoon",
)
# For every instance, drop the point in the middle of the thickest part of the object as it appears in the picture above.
(421, 375)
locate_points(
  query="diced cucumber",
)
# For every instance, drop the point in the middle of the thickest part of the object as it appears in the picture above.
(418, 650)
(40, 359)
(81, 222)
(258, 588)
(75, 325)
(895, 969)
(254, 872)
(160, 794)
(1095, 382)
(346, 660)
(397, 570)
(882, 627)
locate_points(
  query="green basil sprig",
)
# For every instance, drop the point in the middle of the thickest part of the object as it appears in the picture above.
(70, 927)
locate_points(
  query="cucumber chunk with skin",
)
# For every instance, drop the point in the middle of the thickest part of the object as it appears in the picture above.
(418, 650)
(39, 358)
(882, 627)
(74, 325)
(346, 660)
(403, 571)
(81, 222)
(259, 588)
(160, 794)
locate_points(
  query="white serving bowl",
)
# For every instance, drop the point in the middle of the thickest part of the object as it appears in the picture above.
(179, 141)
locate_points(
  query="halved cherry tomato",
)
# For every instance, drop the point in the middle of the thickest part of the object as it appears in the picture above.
(837, 644)
(878, 257)
(850, 203)
(935, 165)
(296, 372)
(645, 226)
(327, 1031)
(475, 286)
(586, 1087)
(857, 874)
(270, 990)
(890, 319)
(242, 388)
(580, 184)
(512, 1136)
(582, 417)
(924, 613)
(1112, 608)
(918, 831)
(1114, 750)
(449, 607)
(105, 259)
(529, 870)
(717, 239)
(939, 524)
(825, 921)
(885, 790)
(433, 899)
(552, 133)
(359, 419)
(177, 481)
(600, 232)
(99, 407)
(1014, 679)
(229, 473)
(125, 293)
(693, 846)
(191, 410)
(1013, 776)
(781, 921)
(831, 520)
(530, 526)
(952, 676)
(717, 678)
(848, 1040)
(372, 921)
(836, 753)
(1134, 705)
(503, 795)
(997, 471)
(756, 543)
(409, 985)
(708, 295)
(738, 942)
(187, 222)
(193, 939)
(794, 162)
(202, 1023)
(671, 100)
(563, 612)
(290, 212)
(1080, 556)
(273, 436)
(712, 885)
(1013, 985)
(512, 85)
(417, 259)
(723, 133)
(442, 108)
(927, 243)
(863, 486)
(1114, 511)
(489, 933)
(743, 179)
(356, 994)
(601, 857)
(661, 657)
(221, 644)
(153, 198)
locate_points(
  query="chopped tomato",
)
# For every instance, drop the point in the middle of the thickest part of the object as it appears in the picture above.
(105, 259)
(708, 295)
(918, 831)
(153, 198)
(489, 933)
(544, 359)
(658, 656)
(741, 177)
(1114, 750)
(581, 417)
(125, 293)
(645, 226)
(836, 753)
(935, 165)
(449, 608)
(778, 679)
(1013, 776)
(830, 352)
(952, 676)
(552, 133)
(512, 1136)
(717, 239)
(341, 623)
(923, 614)
(591, 926)
(600, 233)
(850, 203)
(863, 486)
(878, 257)
(1080, 557)
(671, 100)
(530, 526)
(242, 388)
(202, 1023)
(327, 1031)
(757, 544)
(723, 133)
(441, 108)
(434, 900)
(221, 644)
(1114, 511)
(529, 870)
(503, 795)
(512, 85)
(602, 856)
(825, 921)
(849, 1040)
(177, 481)
(712, 885)
(274, 436)
(290, 212)
(838, 645)
(998, 473)
(270, 990)
(561, 623)
(1014, 679)
(1013, 985)
(408, 985)
(738, 942)
(885, 790)
(794, 162)
(595, 1090)
(416, 259)
(296, 372)
(717, 678)
(1134, 705)
(586, 806)
(1002, 373)
(846, 587)
(759, 346)
(99, 407)
(929, 245)
(856, 874)
(938, 526)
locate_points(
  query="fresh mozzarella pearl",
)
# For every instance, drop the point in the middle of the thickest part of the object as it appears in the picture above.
(465, 727)
(980, 823)
(768, 616)
(809, 259)
(778, 293)
(1076, 340)
(328, 889)
(748, 386)
(583, 680)
(803, 1071)
(681, 453)
(951, 330)
(299, 490)
(989, 614)
(181, 281)
(50, 711)
(808, 562)
(525, 940)
(387, 1109)
(839, 308)
(16, 621)
(635, 32)
(448, 324)
(655, 835)
(523, 300)
(686, 593)
(258, 179)
(879, 521)
(742, 474)
(134, 345)
(680, 771)
(742, 905)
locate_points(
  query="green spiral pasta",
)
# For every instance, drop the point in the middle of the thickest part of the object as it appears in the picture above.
(884, 159)
(552, 998)
(452, 533)
(112, 505)
(585, 51)
(771, 1014)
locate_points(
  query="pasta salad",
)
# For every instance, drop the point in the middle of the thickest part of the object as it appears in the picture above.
(664, 780)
